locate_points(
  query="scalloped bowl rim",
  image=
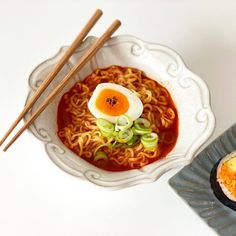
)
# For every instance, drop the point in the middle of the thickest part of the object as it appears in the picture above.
(151, 172)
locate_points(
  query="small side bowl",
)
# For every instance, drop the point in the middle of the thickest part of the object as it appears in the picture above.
(189, 92)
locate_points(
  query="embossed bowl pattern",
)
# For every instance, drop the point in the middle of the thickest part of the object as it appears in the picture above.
(189, 92)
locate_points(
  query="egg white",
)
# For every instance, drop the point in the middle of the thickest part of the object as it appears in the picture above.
(135, 105)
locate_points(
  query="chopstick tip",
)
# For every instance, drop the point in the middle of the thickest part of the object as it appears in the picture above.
(99, 12)
(118, 22)
(7, 146)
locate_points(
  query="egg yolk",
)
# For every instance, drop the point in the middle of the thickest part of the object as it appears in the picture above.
(112, 102)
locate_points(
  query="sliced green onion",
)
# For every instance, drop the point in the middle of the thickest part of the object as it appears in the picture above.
(100, 156)
(142, 121)
(124, 136)
(108, 134)
(105, 126)
(133, 140)
(123, 123)
(149, 141)
(141, 129)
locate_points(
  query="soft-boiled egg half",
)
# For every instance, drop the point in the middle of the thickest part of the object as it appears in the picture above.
(109, 101)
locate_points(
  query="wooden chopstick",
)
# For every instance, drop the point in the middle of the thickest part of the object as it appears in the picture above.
(95, 17)
(82, 61)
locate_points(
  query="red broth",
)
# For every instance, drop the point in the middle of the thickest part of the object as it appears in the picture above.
(72, 126)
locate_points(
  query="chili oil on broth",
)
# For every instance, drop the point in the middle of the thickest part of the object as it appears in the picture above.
(78, 131)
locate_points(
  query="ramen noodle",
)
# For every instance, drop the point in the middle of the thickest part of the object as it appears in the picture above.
(78, 130)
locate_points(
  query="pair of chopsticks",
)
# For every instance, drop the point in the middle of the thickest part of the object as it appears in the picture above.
(82, 61)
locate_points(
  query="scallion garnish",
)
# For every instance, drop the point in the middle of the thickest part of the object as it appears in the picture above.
(142, 121)
(100, 156)
(124, 136)
(133, 140)
(126, 132)
(123, 123)
(106, 127)
(141, 129)
(149, 141)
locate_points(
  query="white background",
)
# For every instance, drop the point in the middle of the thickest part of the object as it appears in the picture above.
(39, 199)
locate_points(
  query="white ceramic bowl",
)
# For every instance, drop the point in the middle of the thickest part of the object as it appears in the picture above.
(189, 92)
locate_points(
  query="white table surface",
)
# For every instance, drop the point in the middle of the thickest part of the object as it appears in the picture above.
(36, 197)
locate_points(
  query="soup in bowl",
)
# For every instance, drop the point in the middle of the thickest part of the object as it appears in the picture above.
(118, 119)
